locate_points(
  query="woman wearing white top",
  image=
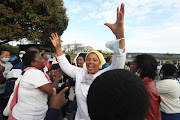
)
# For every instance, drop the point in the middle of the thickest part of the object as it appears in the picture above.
(33, 90)
(169, 90)
(84, 77)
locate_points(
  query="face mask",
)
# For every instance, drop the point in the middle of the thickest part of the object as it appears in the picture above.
(6, 72)
(20, 55)
(161, 76)
(138, 74)
(5, 59)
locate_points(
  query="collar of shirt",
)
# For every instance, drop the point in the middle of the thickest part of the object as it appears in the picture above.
(88, 78)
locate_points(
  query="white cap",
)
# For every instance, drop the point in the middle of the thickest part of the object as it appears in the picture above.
(22, 52)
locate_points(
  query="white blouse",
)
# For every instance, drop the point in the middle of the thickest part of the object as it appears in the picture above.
(169, 91)
(82, 86)
(32, 102)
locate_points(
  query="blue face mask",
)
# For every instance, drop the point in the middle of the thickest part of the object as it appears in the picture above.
(6, 72)
(5, 59)
(161, 76)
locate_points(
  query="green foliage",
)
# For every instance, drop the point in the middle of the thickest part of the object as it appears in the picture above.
(71, 55)
(31, 19)
(169, 62)
(11, 49)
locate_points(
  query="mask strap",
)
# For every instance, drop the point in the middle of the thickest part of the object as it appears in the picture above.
(138, 70)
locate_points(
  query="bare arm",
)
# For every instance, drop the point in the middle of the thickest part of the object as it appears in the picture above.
(2, 78)
(48, 88)
(64, 64)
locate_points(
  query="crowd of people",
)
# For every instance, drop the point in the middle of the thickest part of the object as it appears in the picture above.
(33, 87)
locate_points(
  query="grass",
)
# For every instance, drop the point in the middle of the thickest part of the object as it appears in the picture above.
(71, 55)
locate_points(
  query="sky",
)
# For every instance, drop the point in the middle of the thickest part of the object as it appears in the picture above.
(151, 26)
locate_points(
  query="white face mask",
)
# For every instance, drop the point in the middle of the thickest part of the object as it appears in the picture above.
(20, 55)
(137, 73)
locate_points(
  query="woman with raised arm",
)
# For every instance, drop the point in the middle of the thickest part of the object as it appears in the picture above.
(84, 77)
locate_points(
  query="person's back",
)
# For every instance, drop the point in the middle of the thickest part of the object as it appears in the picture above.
(169, 90)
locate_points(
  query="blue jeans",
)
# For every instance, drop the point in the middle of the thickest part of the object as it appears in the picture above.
(175, 116)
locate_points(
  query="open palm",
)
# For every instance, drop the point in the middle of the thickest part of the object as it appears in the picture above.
(118, 27)
(55, 39)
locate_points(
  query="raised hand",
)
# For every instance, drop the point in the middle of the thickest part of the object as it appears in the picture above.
(58, 100)
(57, 73)
(118, 27)
(55, 39)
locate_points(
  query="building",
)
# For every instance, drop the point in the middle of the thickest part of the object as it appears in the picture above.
(158, 56)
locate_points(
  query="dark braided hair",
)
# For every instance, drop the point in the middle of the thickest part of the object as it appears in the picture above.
(147, 65)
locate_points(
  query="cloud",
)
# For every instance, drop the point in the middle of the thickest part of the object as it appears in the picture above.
(107, 5)
(150, 25)
(74, 7)
(140, 19)
(98, 1)
(154, 39)
(95, 15)
(138, 9)
(84, 18)
(100, 22)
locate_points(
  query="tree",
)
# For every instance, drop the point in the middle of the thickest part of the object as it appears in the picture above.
(76, 48)
(87, 48)
(31, 19)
